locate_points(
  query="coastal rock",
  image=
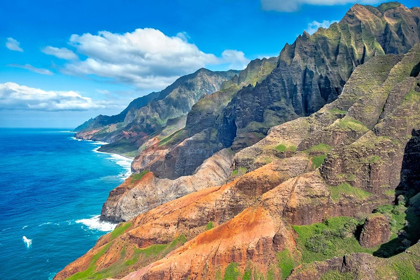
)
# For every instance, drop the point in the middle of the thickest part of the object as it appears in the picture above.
(134, 197)
(375, 231)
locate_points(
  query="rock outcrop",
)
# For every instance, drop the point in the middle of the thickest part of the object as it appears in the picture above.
(375, 231)
(138, 195)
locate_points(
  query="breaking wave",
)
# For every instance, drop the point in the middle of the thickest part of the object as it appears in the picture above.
(27, 241)
(95, 223)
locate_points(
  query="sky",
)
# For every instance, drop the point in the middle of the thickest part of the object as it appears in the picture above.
(65, 61)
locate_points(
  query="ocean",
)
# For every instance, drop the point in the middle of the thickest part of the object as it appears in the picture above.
(52, 187)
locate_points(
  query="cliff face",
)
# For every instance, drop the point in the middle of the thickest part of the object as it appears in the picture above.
(148, 116)
(181, 153)
(312, 71)
(309, 74)
(298, 196)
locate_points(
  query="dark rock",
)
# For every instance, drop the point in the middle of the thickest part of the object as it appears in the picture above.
(375, 231)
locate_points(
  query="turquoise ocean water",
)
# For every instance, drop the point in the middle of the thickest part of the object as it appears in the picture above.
(52, 188)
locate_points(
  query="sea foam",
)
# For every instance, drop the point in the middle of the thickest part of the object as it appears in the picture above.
(27, 241)
(122, 161)
(95, 223)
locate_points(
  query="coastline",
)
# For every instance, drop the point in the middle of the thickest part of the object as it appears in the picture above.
(94, 222)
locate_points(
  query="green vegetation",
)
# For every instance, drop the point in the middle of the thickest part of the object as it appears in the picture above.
(239, 171)
(412, 96)
(390, 193)
(174, 138)
(232, 272)
(320, 148)
(283, 148)
(285, 262)
(247, 274)
(334, 237)
(336, 111)
(347, 189)
(405, 270)
(318, 160)
(336, 275)
(318, 153)
(136, 177)
(88, 273)
(120, 230)
(209, 225)
(373, 159)
(348, 123)
(405, 228)
(143, 256)
(271, 274)
(157, 250)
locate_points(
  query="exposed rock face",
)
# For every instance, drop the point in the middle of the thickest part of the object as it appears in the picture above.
(313, 71)
(133, 198)
(375, 231)
(309, 74)
(200, 134)
(150, 114)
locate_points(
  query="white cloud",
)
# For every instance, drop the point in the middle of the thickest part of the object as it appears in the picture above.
(13, 45)
(236, 59)
(32, 68)
(15, 96)
(294, 5)
(313, 26)
(103, 91)
(62, 53)
(147, 58)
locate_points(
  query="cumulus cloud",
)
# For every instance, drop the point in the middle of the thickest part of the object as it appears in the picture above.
(62, 53)
(147, 58)
(294, 5)
(32, 68)
(13, 45)
(236, 59)
(15, 96)
(313, 26)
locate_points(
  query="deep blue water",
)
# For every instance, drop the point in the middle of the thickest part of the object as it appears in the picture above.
(52, 188)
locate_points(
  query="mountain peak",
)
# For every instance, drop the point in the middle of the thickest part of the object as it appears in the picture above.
(389, 6)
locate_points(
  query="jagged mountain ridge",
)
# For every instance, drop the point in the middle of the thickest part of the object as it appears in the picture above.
(261, 218)
(310, 73)
(198, 141)
(151, 114)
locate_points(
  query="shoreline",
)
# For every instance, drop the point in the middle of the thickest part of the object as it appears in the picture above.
(102, 143)
(127, 160)
(94, 222)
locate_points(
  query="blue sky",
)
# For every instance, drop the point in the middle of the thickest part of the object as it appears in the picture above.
(63, 62)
